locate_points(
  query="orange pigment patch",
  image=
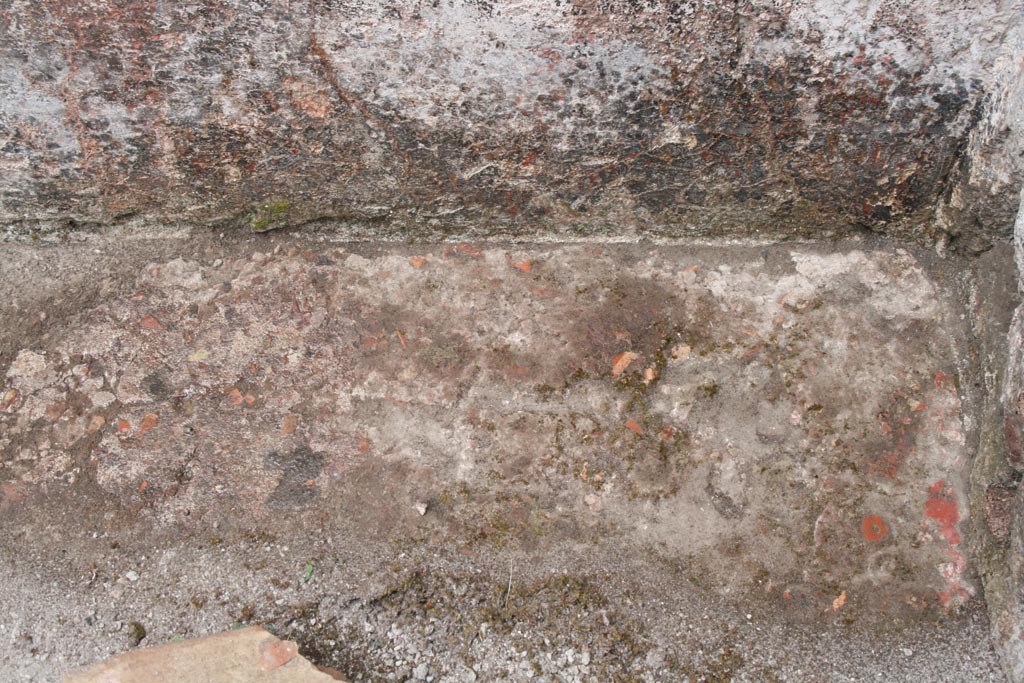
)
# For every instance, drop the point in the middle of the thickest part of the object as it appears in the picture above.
(941, 506)
(635, 427)
(524, 266)
(874, 528)
(622, 361)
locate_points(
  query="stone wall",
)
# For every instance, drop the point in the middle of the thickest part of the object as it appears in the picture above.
(980, 194)
(999, 498)
(528, 118)
(983, 190)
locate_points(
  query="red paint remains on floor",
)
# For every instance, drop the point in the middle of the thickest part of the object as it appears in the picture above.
(874, 528)
(942, 507)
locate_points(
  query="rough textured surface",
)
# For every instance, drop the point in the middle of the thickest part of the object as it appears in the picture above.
(583, 463)
(250, 655)
(984, 187)
(997, 493)
(701, 117)
(431, 416)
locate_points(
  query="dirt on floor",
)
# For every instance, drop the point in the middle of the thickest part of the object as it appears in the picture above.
(460, 462)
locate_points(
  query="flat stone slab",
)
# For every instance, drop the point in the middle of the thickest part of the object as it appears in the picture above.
(793, 417)
(780, 429)
(248, 655)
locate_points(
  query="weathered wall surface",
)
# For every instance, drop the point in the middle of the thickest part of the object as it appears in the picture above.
(983, 190)
(764, 117)
(999, 497)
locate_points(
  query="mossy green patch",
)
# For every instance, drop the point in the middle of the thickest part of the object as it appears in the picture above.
(270, 215)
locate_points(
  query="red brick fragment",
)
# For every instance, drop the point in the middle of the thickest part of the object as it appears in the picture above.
(276, 653)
